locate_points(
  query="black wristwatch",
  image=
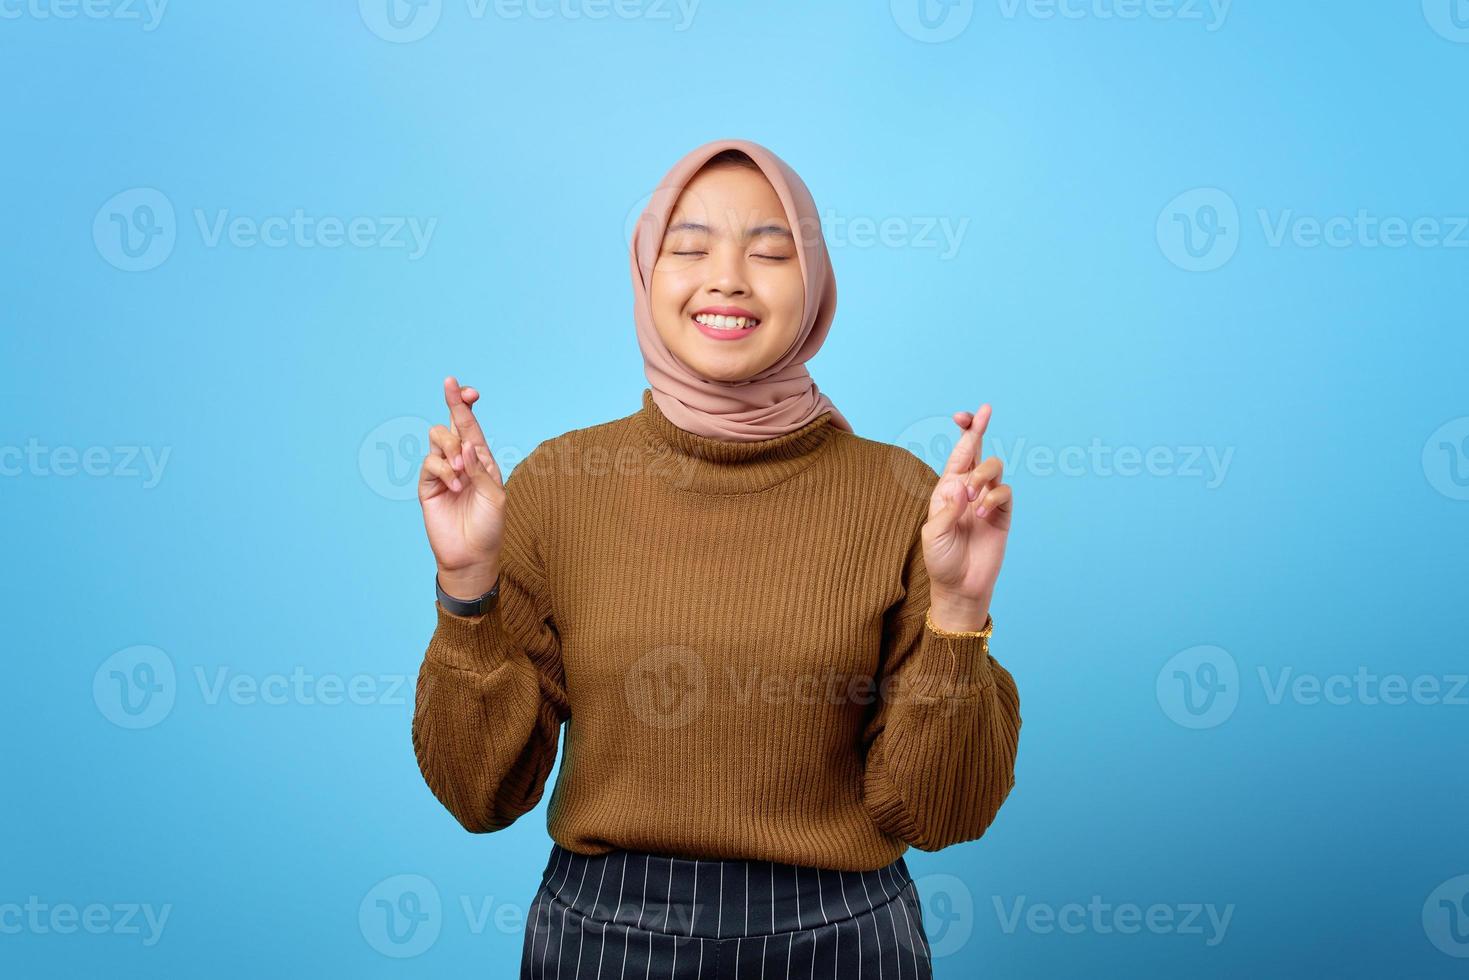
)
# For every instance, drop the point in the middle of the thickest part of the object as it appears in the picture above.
(465, 607)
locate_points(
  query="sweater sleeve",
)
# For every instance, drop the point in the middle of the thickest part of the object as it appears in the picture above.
(942, 742)
(491, 692)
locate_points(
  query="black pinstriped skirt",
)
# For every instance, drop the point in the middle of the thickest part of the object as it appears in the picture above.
(652, 917)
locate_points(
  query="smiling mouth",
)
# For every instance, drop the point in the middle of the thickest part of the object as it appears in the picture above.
(733, 324)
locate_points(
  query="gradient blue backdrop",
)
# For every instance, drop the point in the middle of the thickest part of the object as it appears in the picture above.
(1130, 190)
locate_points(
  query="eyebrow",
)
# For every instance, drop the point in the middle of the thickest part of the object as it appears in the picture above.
(749, 233)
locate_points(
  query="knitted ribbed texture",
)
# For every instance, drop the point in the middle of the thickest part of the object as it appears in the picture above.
(736, 636)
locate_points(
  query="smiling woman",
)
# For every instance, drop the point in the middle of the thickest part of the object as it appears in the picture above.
(773, 638)
(728, 243)
(731, 238)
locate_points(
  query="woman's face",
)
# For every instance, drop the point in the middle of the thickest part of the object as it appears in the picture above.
(728, 251)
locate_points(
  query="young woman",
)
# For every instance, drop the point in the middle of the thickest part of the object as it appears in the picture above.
(767, 636)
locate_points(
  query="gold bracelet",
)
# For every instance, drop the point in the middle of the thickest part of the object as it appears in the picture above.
(989, 627)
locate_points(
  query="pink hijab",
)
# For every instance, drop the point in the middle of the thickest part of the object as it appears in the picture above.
(779, 399)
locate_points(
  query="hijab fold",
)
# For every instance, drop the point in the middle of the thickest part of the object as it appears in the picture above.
(781, 398)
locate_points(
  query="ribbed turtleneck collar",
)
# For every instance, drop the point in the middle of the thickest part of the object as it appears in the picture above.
(703, 464)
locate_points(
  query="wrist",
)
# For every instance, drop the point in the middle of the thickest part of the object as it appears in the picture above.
(469, 582)
(958, 614)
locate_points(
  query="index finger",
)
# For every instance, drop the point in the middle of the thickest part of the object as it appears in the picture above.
(966, 450)
(465, 424)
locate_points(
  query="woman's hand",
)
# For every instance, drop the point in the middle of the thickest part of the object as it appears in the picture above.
(463, 499)
(964, 536)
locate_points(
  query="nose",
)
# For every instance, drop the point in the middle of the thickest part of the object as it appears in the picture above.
(727, 276)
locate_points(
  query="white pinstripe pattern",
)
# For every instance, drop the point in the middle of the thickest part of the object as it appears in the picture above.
(892, 886)
(536, 929)
(583, 931)
(888, 905)
(874, 926)
(546, 948)
(562, 938)
(918, 915)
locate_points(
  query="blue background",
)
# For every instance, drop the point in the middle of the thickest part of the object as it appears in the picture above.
(1102, 293)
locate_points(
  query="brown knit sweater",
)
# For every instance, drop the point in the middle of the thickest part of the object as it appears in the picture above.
(736, 636)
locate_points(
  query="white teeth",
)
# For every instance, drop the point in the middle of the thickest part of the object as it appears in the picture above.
(725, 322)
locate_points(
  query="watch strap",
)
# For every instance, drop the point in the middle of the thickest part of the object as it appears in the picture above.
(465, 607)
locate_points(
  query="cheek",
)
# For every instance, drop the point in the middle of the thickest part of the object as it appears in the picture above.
(785, 292)
(670, 288)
